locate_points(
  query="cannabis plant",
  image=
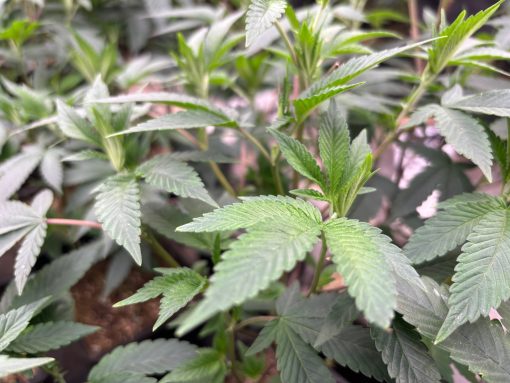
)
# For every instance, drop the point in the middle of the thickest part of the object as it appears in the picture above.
(270, 178)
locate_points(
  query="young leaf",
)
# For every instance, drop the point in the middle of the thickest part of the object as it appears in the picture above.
(450, 227)
(117, 207)
(147, 357)
(9, 365)
(75, 126)
(15, 171)
(256, 259)
(360, 251)
(178, 287)
(175, 177)
(299, 157)
(407, 357)
(479, 283)
(49, 336)
(260, 17)
(209, 365)
(252, 211)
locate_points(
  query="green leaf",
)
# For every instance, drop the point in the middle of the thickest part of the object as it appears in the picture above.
(208, 366)
(75, 126)
(178, 287)
(27, 254)
(10, 365)
(309, 193)
(360, 250)
(407, 357)
(148, 357)
(117, 207)
(15, 171)
(16, 215)
(15, 321)
(49, 336)
(494, 102)
(299, 157)
(464, 133)
(334, 82)
(181, 120)
(252, 211)
(297, 361)
(480, 282)
(450, 227)
(260, 17)
(256, 259)
(455, 34)
(265, 337)
(51, 169)
(334, 143)
(176, 177)
(85, 155)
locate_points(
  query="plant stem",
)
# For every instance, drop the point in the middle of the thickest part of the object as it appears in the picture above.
(287, 42)
(414, 30)
(255, 320)
(231, 349)
(319, 266)
(54, 370)
(277, 179)
(222, 179)
(255, 142)
(73, 222)
(158, 249)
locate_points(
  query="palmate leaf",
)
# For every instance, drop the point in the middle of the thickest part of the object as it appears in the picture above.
(49, 336)
(75, 126)
(178, 287)
(455, 34)
(15, 321)
(299, 157)
(260, 17)
(480, 281)
(208, 366)
(331, 84)
(187, 119)
(256, 259)
(117, 207)
(494, 102)
(252, 211)
(15, 171)
(450, 227)
(463, 132)
(407, 357)
(145, 358)
(482, 346)
(360, 250)
(175, 177)
(9, 365)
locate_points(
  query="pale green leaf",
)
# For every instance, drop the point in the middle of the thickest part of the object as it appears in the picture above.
(117, 208)
(9, 365)
(256, 259)
(299, 157)
(178, 287)
(494, 102)
(148, 357)
(16, 215)
(48, 336)
(176, 177)
(449, 228)
(480, 281)
(85, 155)
(73, 125)
(27, 254)
(51, 169)
(208, 366)
(252, 211)
(360, 250)
(260, 17)
(15, 171)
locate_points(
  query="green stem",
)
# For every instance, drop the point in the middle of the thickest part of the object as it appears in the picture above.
(158, 249)
(287, 42)
(319, 266)
(277, 178)
(54, 370)
(231, 349)
(255, 320)
(255, 142)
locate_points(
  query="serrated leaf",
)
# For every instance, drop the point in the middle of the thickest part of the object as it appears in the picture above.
(73, 125)
(147, 357)
(252, 211)
(450, 227)
(494, 102)
(480, 282)
(407, 357)
(455, 34)
(341, 314)
(117, 208)
(209, 365)
(15, 321)
(27, 254)
(297, 361)
(9, 365)
(15, 171)
(16, 215)
(360, 250)
(299, 157)
(85, 155)
(256, 259)
(178, 287)
(260, 17)
(188, 119)
(175, 177)
(51, 169)
(49, 336)
(265, 338)
(309, 193)
(334, 143)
